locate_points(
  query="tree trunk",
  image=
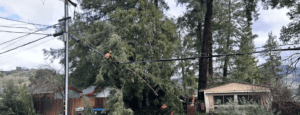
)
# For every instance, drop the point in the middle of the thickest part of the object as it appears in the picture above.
(134, 104)
(205, 49)
(210, 67)
(227, 44)
(144, 102)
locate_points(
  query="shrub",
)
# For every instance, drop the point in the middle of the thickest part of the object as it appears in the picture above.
(248, 108)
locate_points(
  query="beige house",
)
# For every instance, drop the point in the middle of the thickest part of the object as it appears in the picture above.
(236, 91)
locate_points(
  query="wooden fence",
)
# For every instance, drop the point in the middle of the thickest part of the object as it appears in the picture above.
(50, 106)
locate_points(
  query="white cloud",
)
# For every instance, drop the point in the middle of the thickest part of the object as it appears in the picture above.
(269, 21)
(175, 10)
(35, 12)
(52, 10)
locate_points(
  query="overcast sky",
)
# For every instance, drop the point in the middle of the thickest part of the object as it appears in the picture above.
(47, 12)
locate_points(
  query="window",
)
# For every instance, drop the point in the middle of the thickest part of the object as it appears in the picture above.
(222, 99)
(254, 98)
(248, 98)
(218, 100)
(227, 98)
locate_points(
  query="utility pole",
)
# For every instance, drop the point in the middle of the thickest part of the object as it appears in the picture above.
(65, 19)
(66, 58)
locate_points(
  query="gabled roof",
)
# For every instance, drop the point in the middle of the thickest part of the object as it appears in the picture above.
(46, 86)
(72, 88)
(104, 93)
(90, 91)
(240, 83)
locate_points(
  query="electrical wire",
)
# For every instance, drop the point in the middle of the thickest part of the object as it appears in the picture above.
(192, 58)
(27, 34)
(24, 44)
(23, 32)
(281, 45)
(14, 27)
(23, 22)
(21, 39)
(25, 49)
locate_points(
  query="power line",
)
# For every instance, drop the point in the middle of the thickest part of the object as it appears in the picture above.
(26, 49)
(25, 44)
(14, 27)
(25, 35)
(281, 45)
(191, 58)
(23, 22)
(23, 32)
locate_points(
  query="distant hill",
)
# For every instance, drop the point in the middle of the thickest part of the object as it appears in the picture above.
(286, 68)
(290, 71)
(20, 76)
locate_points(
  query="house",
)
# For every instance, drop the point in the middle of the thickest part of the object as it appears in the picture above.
(96, 98)
(236, 91)
(48, 95)
(50, 102)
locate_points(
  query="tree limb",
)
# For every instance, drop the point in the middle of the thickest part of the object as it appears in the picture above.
(143, 80)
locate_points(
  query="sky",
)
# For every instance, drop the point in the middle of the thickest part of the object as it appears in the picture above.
(48, 12)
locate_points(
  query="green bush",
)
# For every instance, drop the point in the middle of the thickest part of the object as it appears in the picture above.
(147, 111)
(248, 108)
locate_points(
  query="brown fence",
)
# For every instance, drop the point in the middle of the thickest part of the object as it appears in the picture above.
(50, 106)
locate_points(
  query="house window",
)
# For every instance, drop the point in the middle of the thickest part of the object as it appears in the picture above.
(222, 99)
(248, 98)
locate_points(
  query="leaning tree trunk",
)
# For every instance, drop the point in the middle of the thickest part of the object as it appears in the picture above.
(207, 35)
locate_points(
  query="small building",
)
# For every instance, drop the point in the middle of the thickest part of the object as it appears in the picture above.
(50, 102)
(48, 97)
(96, 98)
(236, 91)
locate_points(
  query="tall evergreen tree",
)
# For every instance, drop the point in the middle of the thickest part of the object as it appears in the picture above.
(138, 31)
(246, 68)
(273, 62)
(205, 48)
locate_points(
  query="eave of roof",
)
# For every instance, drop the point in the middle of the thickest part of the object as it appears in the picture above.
(92, 93)
(240, 83)
(72, 88)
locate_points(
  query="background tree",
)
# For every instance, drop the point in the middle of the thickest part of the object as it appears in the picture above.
(272, 66)
(246, 68)
(26, 98)
(42, 74)
(289, 34)
(137, 31)
(11, 105)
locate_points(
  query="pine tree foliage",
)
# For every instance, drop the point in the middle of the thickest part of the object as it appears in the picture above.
(246, 68)
(88, 109)
(273, 62)
(116, 104)
(135, 30)
(192, 22)
(227, 15)
(290, 33)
